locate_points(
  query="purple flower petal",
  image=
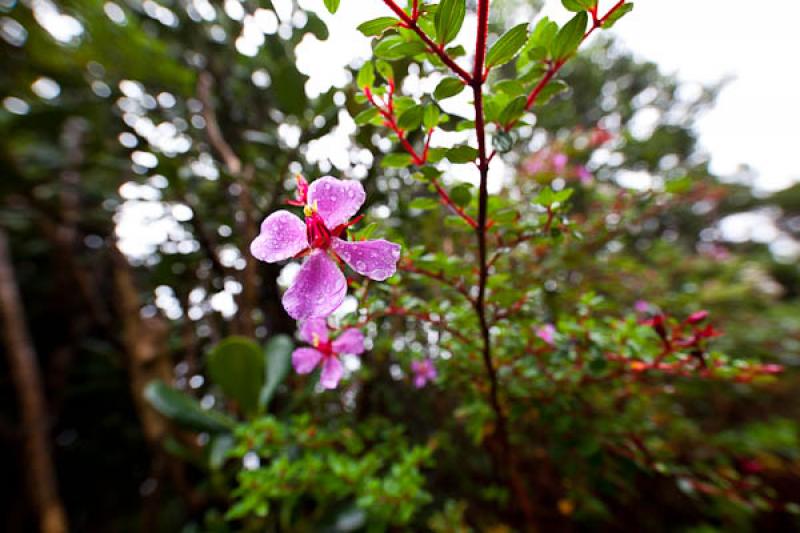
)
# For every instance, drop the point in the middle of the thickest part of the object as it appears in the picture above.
(375, 259)
(332, 371)
(336, 200)
(318, 289)
(314, 327)
(304, 360)
(350, 341)
(283, 235)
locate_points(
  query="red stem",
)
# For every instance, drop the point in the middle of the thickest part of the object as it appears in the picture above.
(452, 205)
(555, 67)
(411, 24)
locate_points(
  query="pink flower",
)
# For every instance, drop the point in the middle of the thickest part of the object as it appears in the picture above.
(424, 372)
(325, 352)
(547, 333)
(697, 317)
(559, 162)
(584, 175)
(320, 287)
(642, 306)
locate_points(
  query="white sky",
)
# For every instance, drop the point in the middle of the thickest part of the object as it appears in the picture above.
(755, 121)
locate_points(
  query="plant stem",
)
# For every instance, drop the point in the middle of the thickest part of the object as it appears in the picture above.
(411, 24)
(476, 82)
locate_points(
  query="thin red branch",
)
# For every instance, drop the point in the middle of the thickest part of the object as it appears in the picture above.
(408, 266)
(446, 200)
(437, 49)
(555, 67)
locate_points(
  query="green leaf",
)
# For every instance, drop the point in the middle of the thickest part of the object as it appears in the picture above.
(507, 46)
(366, 75)
(462, 154)
(365, 116)
(376, 26)
(545, 197)
(579, 5)
(563, 195)
(513, 110)
(218, 450)
(395, 47)
(423, 203)
(278, 353)
(431, 116)
(461, 194)
(570, 36)
(398, 160)
(411, 118)
(448, 87)
(384, 69)
(617, 14)
(550, 90)
(237, 365)
(543, 34)
(449, 18)
(332, 5)
(510, 87)
(184, 410)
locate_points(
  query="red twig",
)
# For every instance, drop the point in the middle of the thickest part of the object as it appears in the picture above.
(411, 24)
(555, 67)
(446, 200)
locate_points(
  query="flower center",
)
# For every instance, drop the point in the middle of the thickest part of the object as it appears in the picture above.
(318, 234)
(324, 347)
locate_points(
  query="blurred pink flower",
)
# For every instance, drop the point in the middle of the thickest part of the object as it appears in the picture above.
(642, 306)
(320, 287)
(424, 372)
(325, 352)
(547, 333)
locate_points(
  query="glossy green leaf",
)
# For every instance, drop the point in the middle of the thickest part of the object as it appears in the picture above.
(618, 13)
(185, 410)
(430, 118)
(507, 46)
(448, 87)
(411, 118)
(377, 26)
(236, 365)
(579, 5)
(423, 203)
(462, 154)
(550, 90)
(365, 116)
(366, 75)
(461, 194)
(513, 110)
(570, 36)
(278, 354)
(398, 160)
(331, 5)
(449, 18)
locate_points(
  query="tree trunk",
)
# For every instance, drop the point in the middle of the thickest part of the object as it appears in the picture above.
(28, 382)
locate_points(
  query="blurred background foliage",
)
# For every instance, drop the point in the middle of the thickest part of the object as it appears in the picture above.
(148, 127)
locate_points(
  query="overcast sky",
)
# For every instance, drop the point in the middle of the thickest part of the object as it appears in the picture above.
(755, 121)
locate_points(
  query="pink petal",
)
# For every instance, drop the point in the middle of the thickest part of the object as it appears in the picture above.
(305, 360)
(318, 289)
(350, 341)
(283, 235)
(375, 259)
(312, 327)
(331, 373)
(336, 200)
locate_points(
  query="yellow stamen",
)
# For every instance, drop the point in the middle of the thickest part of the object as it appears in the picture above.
(309, 210)
(314, 338)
